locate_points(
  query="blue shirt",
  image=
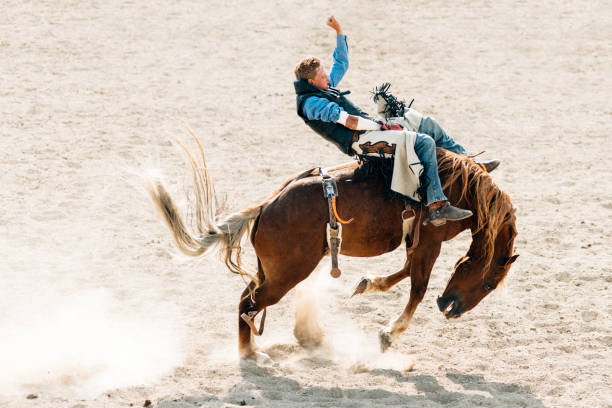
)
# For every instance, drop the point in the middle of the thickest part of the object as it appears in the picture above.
(316, 108)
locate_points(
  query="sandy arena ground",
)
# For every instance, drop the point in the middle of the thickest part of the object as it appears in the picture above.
(98, 308)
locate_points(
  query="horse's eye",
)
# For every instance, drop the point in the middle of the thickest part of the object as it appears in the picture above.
(488, 286)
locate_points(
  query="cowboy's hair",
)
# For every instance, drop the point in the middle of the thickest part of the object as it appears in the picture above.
(307, 68)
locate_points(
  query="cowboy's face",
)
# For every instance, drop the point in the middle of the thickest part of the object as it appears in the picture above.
(321, 80)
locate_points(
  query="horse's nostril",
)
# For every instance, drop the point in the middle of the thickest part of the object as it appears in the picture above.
(444, 302)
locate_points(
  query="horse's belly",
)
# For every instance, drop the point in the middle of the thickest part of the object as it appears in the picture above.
(371, 239)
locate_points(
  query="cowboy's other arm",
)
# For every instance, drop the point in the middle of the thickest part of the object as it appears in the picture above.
(357, 122)
(352, 122)
(316, 108)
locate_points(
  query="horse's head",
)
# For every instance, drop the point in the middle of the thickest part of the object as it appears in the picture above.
(475, 275)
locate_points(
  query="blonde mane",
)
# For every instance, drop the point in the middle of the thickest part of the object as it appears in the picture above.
(467, 183)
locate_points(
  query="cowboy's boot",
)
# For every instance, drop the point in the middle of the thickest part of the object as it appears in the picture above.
(490, 165)
(446, 212)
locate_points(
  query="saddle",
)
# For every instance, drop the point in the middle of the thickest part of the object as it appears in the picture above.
(370, 166)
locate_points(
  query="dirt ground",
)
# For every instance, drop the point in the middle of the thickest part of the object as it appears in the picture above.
(98, 308)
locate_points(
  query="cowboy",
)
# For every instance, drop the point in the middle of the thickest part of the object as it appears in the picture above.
(330, 114)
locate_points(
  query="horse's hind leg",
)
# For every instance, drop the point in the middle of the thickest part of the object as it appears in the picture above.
(382, 283)
(246, 345)
(279, 279)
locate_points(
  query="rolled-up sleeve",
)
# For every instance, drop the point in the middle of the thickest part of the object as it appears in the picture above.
(341, 61)
(316, 108)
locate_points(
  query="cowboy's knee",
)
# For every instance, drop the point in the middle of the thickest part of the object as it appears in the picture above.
(426, 142)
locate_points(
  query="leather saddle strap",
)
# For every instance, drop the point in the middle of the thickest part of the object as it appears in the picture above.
(416, 230)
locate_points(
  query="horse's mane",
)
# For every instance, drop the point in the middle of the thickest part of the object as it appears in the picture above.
(467, 182)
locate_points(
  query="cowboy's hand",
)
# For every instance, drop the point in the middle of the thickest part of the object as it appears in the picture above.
(333, 23)
(383, 125)
(389, 125)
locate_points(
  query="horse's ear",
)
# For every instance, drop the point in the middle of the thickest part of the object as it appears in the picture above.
(462, 259)
(512, 259)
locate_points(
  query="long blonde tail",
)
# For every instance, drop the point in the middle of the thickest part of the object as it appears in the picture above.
(206, 231)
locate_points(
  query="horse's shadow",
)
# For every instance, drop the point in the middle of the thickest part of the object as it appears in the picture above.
(479, 392)
(262, 386)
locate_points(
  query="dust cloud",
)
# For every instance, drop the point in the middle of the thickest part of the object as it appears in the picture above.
(337, 337)
(83, 343)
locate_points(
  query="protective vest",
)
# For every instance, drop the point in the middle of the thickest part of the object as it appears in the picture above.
(339, 135)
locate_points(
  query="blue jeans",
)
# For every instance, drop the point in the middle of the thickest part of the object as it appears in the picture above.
(425, 148)
(431, 127)
(430, 136)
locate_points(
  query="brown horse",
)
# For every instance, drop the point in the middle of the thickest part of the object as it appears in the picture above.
(288, 232)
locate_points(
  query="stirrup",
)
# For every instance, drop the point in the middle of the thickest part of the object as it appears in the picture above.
(334, 227)
(249, 318)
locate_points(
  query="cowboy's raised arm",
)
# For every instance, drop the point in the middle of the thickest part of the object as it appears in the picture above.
(341, 62)
(333, 23)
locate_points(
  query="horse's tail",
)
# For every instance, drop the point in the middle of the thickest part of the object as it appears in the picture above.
(226, 235)
(206, 231)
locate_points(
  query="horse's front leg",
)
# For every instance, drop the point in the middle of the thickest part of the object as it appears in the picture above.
(382, 283)
(370, 283)
(422, 263)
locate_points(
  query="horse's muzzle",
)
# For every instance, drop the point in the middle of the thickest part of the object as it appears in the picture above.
(450, 306)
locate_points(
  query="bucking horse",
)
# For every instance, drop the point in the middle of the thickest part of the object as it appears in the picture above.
(289, 234)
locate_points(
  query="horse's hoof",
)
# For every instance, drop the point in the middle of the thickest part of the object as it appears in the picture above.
(248, 353)
(385, 340)
(361, 287)
(261, 359)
